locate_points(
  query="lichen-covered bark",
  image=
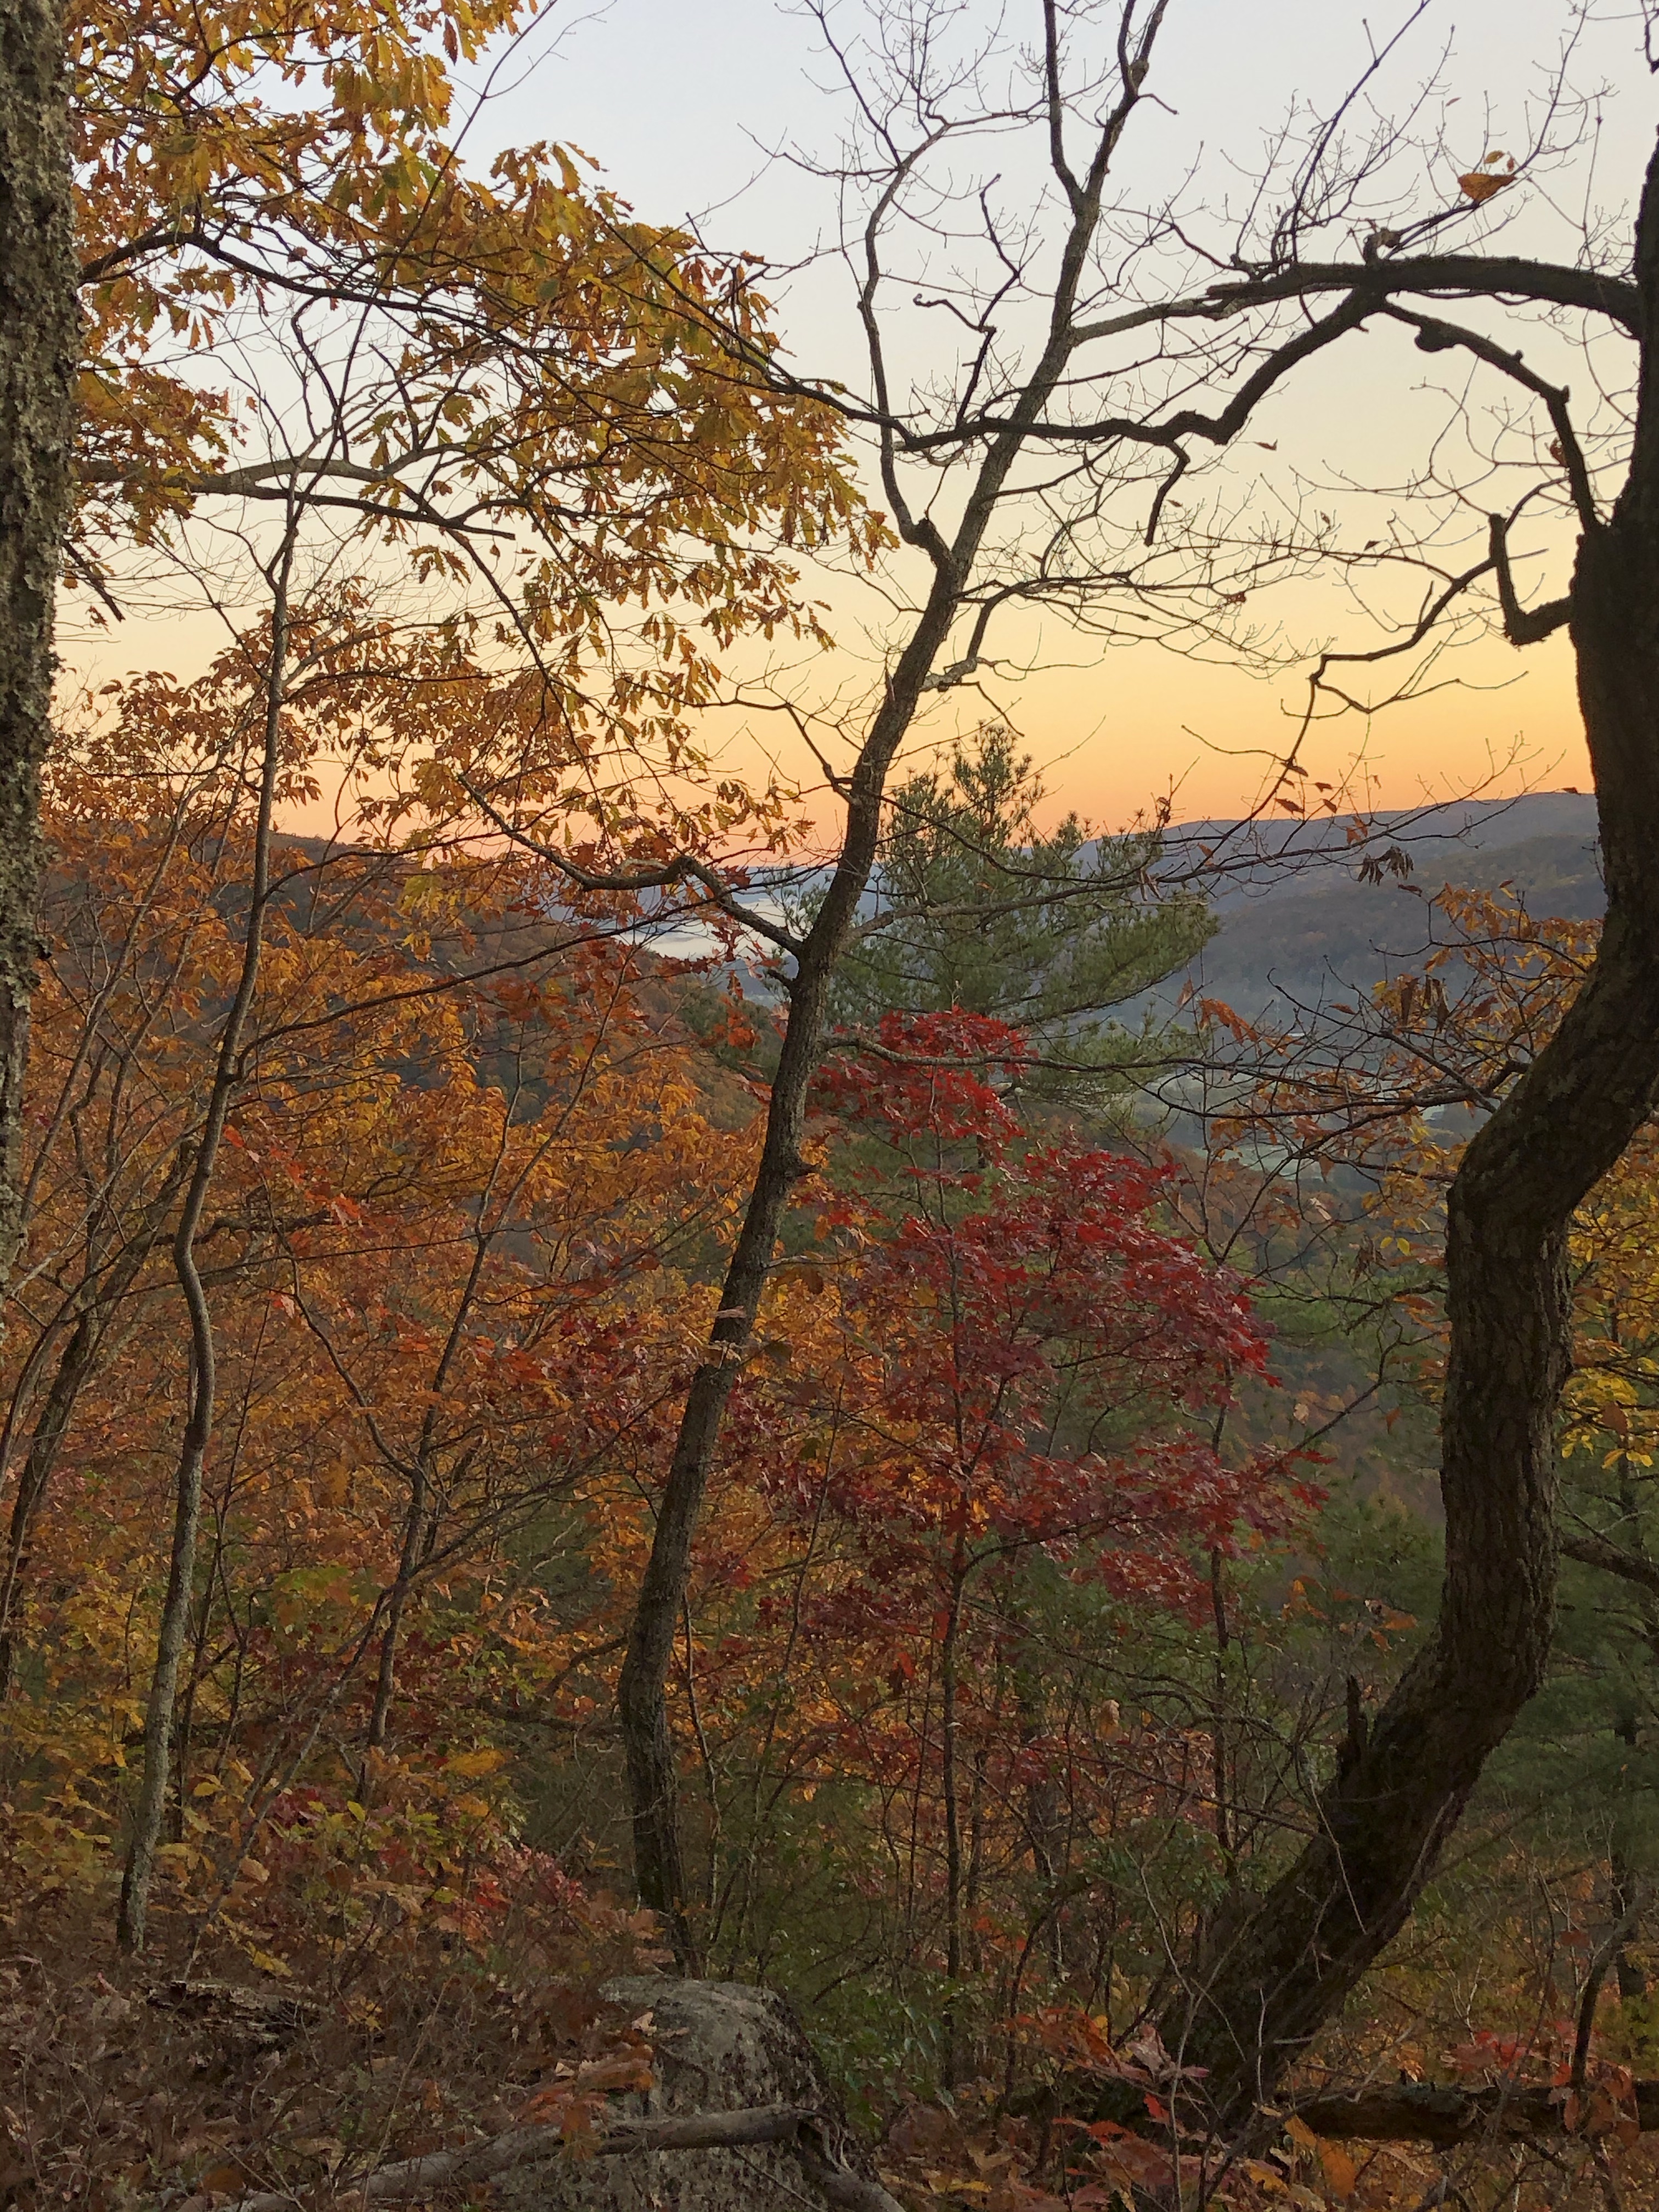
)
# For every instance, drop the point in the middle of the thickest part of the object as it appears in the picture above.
(720, 2047)
(1249, 2010)
(38, 336)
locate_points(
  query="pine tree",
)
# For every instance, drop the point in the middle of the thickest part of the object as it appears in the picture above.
(976, 907)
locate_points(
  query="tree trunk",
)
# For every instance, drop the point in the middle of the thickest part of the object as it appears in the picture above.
(78, 1360)
(640, 1699)
(642, 1702)
(409, 1558)
(38, 348)
(1624, 1898)
(1249, 2012)
(76, 1363)
(949, 1739)
(133, 1912)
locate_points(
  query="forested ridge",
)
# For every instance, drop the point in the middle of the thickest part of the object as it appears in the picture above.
(1038, 1436)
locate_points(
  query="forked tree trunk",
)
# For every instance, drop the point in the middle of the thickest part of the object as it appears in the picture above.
(641, 1697)
(39, 345)
(1248, 2012)
(77, 1362)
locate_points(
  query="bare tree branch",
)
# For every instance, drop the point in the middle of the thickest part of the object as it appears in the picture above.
(1593, 1551)
(685, 867)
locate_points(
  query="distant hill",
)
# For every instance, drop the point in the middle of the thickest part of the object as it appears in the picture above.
(1298, 923)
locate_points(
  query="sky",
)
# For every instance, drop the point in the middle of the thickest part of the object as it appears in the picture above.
(698, 112)
(686, 109)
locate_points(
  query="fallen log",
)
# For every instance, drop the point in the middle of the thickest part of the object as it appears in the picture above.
(808, 2135)
(1413, 2111)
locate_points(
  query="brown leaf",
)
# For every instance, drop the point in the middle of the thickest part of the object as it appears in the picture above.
(1480, 185)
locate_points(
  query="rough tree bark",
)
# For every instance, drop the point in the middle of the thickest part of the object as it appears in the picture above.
(38, 348)
(1248, 2012)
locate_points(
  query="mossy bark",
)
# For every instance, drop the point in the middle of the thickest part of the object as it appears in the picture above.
(39, 347)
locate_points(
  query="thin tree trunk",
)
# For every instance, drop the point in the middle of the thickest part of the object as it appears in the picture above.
(1223, 1833)
(386, 1672)
(39, 349)
(1623, 1887)
(140, 1871)
(76, 1365)
(1384, 1821)
(948, 1731)
(1046, 1824)
(416, 1541)
(77, 1362)
(1624, 1896)
(641, 1700)
(974, 1880)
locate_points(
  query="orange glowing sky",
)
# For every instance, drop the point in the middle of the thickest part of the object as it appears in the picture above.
(680, 106)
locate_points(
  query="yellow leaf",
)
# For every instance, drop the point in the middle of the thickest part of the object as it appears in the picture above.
(470, 1763)
(331, 1484)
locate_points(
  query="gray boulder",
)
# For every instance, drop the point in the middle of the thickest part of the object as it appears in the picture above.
(720, 2047)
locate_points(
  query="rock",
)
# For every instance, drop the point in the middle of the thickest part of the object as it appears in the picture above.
(720, 2047)
(242, 2018)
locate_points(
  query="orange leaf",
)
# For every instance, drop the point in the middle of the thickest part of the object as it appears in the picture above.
(1341, 2171)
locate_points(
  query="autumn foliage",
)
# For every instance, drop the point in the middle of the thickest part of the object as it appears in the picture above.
(457, 1260)
(982, 1669)
(1039, 1589)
